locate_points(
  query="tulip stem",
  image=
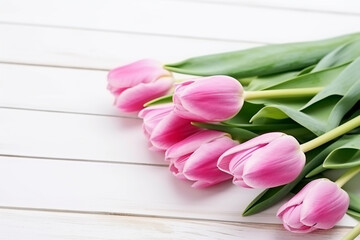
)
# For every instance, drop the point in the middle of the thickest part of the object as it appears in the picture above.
(282, 93)
(347, 176)
(353, 233)
(332, 134)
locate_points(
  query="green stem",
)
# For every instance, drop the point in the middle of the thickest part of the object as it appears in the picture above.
(334, 133)
(160, 100)
(353, 233)
(347, 176)
(282, 93)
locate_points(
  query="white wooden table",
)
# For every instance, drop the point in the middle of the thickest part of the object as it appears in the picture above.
(72, 167)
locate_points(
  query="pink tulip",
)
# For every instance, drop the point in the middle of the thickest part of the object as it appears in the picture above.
(266, 161)
(137, 83)
(170, 130)
(151, 117)
(195, 158)
(209, 99)
(319, 205)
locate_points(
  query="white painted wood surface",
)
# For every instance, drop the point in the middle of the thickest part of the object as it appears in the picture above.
(71, 47)
(72, 167)
(163, 17)
(18, 224)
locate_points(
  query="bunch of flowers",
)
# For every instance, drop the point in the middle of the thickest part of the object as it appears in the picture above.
(276, 117)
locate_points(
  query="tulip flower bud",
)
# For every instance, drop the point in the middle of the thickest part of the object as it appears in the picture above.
(208, 99)
(170, 130)
(319, 205)
(151, 117)
(137, 83)
(266, 161)
(195, 157)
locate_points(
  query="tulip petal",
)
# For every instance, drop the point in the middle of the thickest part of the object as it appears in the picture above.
(215, 98)
(201, 165)
(133, 99)
(203, 184)
(291, 221)
(177, 165)
(319, 205)
(237, 164)
(242, 149)
(142, 71)
(152, 116)
(238, 179)
(324, 205)
(191, 143)
(154, 111)
(170, 130)
(278, 163)
(297, 199)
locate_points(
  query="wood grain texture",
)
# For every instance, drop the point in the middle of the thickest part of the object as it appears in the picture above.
(121, 189)
(203, 20)
(72, 167)
(99, 50)
(74, 136)
(323, 6)
(40, 225)
(56, 89)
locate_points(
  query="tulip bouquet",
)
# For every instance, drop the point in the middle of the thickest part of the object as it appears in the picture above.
(276, 117)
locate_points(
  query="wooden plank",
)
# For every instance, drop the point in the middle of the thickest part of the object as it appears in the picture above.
(164, 17)
(74, 136)
(121, 189)
(326, 6)
(48, 88)
(56, 89)
(19, 224)
(99, 50)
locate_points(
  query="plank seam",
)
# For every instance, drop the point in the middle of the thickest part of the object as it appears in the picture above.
(54, 66)
(134, 215)
(271, 225)
(82, 160)
(254, 5)
(67, 112)
(132, 32)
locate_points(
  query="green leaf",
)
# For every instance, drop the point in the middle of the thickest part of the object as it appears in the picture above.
(313, 79)
(346, 156)
(354, 202)
(245, 114)
(294, 80)
(346, 85)
(293, 129)
(343, 54)
(240, 134)
(341, 85)
(314, 118)
(319, 169)
(306, 70)
(305, 78)
(261, 61)
(326, 110)
(343, 106)
(264, 82)
(271, 196)
(354, 207)
(353, 214)
(160, 100)
(263, 127)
